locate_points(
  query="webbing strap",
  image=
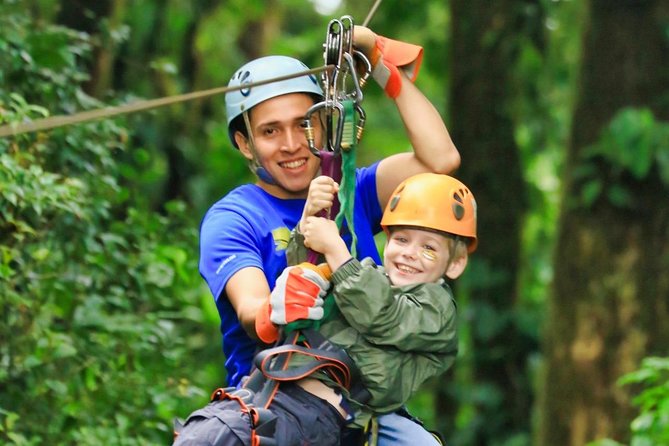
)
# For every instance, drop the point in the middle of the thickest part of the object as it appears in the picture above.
(320, 354)
(336, 365)
(331, 165)
(263, 388)
(347, 185)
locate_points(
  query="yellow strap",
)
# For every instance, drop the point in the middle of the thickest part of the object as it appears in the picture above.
(372, 432)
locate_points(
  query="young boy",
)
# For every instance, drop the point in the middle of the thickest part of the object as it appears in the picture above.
(403, 313)
(397, 322)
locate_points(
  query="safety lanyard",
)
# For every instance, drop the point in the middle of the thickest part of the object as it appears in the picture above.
(343, 119)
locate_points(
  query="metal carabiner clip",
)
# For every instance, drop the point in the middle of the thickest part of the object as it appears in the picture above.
(333, 136)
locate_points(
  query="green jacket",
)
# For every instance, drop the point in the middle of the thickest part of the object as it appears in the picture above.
(397, 336)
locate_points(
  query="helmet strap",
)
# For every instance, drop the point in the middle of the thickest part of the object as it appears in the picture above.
(254, 164)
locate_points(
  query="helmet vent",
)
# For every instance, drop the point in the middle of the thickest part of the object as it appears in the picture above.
(244, 79)
(394, 201)
(396, 198)
(458, 211)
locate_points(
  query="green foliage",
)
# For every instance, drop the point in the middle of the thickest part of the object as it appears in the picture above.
(103, 338)
(651, 426)
(98, 296)
(632, 145)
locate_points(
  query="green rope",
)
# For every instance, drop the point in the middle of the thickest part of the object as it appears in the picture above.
(347, 186)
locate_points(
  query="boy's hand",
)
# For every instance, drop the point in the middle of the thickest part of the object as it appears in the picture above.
(321, 196)
(322, 235)
(298, 294)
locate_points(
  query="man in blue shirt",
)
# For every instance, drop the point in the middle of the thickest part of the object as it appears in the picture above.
(243, 236)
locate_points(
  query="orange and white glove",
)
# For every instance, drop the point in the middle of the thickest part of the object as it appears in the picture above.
(297, 294)
(388, 57)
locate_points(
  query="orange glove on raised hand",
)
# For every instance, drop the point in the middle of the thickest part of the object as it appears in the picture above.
(388, 57)
(297, 294)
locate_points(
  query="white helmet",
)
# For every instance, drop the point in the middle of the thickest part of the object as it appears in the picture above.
(261, 69)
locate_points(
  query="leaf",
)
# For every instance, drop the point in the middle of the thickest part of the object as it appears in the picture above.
(642, 422)
(160, 274)
(40, 254)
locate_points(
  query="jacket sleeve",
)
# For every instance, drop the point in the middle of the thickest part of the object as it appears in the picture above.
(418, 318)
(393, 378)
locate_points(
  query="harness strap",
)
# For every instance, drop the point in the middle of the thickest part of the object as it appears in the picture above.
(356, 391)
(340, 166)
(321, 355)
(264, 426)
(264, 389)
(254, 398)
(320, 360)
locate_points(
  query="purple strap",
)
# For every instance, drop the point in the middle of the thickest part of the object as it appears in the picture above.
(330, 166)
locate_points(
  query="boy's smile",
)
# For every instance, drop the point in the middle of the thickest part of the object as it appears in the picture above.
(415, 256)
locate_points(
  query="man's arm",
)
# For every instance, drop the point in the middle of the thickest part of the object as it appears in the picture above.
(298, 294)
(248, 291)
(433, 149)
(396, 64)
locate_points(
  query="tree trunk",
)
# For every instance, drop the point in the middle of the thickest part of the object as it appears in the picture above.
(485, 41)
(609, 305)
(101, 18)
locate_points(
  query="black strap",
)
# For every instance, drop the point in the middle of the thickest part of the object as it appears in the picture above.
(322, 355)
(356, 390)
(263, 388)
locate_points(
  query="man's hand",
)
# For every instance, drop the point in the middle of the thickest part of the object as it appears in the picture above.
(298, 294)
(389, 58)
(321, 195)
(364, 39)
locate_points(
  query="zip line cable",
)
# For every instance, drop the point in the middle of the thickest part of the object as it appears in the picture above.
(90, 115)
(371, 13)
(53, 122)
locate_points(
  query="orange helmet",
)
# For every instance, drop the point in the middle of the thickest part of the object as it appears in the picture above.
(433, 201)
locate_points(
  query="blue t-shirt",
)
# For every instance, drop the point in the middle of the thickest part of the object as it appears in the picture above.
(250, 228)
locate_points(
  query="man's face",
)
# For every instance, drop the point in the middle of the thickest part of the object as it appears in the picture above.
(415, 256)
(278, 131)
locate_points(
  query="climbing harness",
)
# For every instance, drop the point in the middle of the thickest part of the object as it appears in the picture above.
(257, 392)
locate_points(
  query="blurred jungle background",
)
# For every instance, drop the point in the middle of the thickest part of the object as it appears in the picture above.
(560, 109)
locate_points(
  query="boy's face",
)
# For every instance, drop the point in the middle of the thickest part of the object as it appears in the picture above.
(415, 256)
(278, 131)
